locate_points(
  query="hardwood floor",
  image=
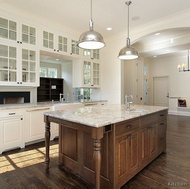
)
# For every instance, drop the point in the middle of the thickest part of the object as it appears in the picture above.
(20, 169)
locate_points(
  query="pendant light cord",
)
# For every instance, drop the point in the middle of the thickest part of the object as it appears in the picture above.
(128, 39)
(91, 22)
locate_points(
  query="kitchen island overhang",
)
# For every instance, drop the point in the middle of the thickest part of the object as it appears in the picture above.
(95, 141)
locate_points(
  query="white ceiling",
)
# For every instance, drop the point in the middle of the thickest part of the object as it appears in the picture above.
(75, 14)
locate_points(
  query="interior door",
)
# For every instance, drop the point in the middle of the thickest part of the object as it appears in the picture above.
(160, 91)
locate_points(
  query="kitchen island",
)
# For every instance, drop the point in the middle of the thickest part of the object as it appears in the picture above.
(108, 145)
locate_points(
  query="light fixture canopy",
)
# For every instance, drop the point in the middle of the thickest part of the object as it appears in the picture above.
(128, 52)
(91, 39)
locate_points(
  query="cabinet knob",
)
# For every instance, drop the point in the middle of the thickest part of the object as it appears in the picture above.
(54, 49)
(58, 50)
(20, 42)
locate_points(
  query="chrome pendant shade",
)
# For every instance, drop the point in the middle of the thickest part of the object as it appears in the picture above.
(128, 52)
(91, 39)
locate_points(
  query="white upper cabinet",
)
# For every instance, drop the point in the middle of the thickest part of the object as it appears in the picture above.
(59, 43)
(91, 54)
(18, 66)
(17, 32)
(19, 56)
(86, 73)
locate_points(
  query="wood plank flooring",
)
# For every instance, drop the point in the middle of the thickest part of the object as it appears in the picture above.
(25, 169)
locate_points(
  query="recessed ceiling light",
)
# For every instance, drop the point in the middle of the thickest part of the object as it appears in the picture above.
(155, 56)
(157, 34)
(57, 59)
(109, 28)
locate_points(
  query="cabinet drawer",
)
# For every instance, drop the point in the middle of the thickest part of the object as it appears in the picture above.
(10, 113)
(126, 126)
(148, 119)
(162, 115)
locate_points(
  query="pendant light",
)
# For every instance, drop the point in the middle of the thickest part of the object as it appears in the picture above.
(128, 52)
(91, 39)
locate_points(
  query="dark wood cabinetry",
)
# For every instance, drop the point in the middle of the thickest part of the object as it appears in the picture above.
(49, 89)
(126, 148)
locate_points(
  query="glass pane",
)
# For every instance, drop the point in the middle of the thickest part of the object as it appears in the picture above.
(3, 50)
(32, 66)
(60, 39)
(32, 40)
(45, 43)
(12, 25)
(25, 38)
(32, 31)
(12, 76)
(4, 63)
(43, 72)
(32, 77)
(25, 77)
(4, 75)
(12, 52)
(45, 35)
(3, 33)
(24, 54)
(32, 55)
(3, 23)
(12, 35)
(25, 29)
(60, 47)
(50, 44)
(12, 64)
(51, 36)
(25, 65)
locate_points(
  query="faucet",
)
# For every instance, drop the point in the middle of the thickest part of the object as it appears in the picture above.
(61, 95)
(127, 102)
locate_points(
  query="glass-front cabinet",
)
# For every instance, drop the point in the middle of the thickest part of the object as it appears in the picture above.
(18, 32)
(91, 54)
(91, 74)
(18, 66)
(86, 74)
(18, 54)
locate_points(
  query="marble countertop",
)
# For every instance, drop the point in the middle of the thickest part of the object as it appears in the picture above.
(99, 116)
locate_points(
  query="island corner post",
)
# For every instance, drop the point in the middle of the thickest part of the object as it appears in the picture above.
(96, 134)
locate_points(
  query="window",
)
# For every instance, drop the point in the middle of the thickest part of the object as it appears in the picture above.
(48, 72)
(82, 93)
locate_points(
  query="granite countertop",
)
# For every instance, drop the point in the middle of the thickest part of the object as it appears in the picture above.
(97, 116)
(43, 104)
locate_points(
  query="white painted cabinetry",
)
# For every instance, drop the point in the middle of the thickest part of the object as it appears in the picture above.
(11, 129)
(19, 58)
(34, 123)
(86, 73)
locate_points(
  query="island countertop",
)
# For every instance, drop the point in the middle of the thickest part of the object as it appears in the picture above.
(99, 116)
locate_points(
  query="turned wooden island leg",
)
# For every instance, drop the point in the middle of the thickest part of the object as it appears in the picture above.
(47, 142)
(97, 159)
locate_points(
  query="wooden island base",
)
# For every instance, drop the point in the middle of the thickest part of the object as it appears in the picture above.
(110, 156)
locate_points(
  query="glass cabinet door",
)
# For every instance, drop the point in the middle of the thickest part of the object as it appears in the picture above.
(8, 63)
(28, 66)
(87, 72)
(74, 47)
(28, 35)
(8, 29)
(48, 40)
(62, 43)
(96, 73)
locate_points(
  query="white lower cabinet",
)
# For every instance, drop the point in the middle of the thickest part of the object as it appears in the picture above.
(34, 129)
(11, 130)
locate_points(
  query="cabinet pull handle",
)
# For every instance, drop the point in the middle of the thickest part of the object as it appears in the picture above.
(12, 113)
(34, 110)
(161, 123)
(129, 126)
(161, 115)
(21, 118)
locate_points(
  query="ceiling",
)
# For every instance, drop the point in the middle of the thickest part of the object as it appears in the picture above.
(75, 14)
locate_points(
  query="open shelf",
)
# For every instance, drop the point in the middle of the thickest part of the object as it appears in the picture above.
(49, 89)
